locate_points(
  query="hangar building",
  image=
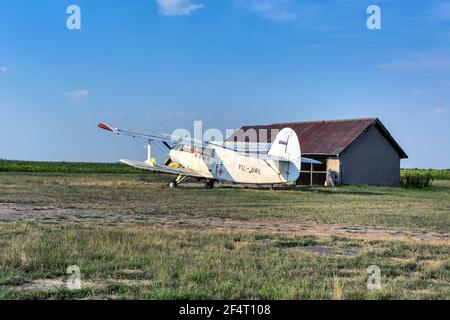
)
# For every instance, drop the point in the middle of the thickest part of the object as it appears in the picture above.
(354, 151)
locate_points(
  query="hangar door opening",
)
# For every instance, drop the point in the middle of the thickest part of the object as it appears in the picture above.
(313, 174)
(319, 174)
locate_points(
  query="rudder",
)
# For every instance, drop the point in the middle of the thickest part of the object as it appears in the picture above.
(286, 145)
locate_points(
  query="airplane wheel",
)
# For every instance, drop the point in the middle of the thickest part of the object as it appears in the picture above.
(172, 184)
(209, 184)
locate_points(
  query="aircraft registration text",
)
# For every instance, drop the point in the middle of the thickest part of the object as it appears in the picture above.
(249, 169)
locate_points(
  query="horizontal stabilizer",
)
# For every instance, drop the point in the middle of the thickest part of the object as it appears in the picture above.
(308, 160)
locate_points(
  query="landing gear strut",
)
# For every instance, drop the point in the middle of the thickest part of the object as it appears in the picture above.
(174, 183)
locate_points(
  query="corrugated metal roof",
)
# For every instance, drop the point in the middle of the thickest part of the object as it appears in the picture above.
(329, 137)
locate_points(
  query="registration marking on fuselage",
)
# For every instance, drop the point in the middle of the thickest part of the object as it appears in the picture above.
(251, 170)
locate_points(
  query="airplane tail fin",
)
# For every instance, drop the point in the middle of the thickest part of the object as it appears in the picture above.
(287, 147)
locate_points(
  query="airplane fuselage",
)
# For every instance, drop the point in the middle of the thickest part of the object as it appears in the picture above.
(227, 165)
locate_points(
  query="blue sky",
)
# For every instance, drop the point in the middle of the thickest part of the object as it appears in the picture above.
(162, 64)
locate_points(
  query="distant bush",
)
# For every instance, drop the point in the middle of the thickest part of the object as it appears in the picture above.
(65, 167)
(416, 179)
(435, 174)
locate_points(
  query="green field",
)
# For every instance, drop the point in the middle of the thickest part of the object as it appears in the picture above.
(65, 167)
(118, 168)
(435, 174)
(132, 237)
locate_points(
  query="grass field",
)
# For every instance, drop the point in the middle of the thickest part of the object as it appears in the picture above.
(118, 168)
(65, 167)
(132, 237)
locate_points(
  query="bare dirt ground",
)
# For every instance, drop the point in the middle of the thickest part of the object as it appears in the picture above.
(45, 285)
(23, 212)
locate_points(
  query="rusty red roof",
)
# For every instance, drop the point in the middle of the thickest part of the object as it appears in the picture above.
(329, 137)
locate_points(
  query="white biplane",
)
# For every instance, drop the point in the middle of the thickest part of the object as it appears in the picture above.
(212, 161)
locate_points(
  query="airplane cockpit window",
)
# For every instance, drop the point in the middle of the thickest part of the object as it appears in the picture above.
(188, 148)
(209, 152)
(178, 147)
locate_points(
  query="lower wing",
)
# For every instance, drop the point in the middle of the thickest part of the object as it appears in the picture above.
(165, 169)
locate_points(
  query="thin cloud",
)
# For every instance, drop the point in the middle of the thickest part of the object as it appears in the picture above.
(112, 114)
(313, 15)
(178, 114)
(106, 115)
(275, 10)
(417, 93)
(419, 61)
(3, 71)
(77, 95)
(177, 7)
(170, 115)
(439, 110)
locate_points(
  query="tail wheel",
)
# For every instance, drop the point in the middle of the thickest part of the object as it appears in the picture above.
(209, 184)
(172, 184)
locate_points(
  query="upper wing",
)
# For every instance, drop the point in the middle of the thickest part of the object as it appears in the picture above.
(165, 169)
(152, 135)
(265, 156)
(247, 147)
